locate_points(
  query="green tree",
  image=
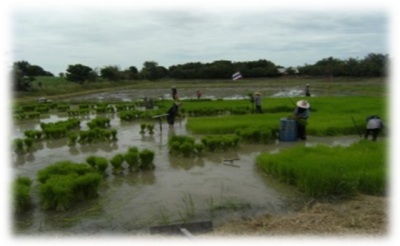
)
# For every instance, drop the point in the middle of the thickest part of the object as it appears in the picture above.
(112, 73)
(79, 73)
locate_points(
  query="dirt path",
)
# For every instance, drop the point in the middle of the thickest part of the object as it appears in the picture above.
(358, 216)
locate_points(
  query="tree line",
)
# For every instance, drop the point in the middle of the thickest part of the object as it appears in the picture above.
(372, 65)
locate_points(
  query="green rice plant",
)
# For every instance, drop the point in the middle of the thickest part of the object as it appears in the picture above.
(132, 158)
(322, 170)
(30, 133)
(101, 164)
(63, 184)
(18, 145)
(199, 148)
(181, 139)
(133, 149)
(114, 134)
(21, 194)
(150, 128)
(28, 143)
(174, 148)
(91, 160)
(188, 206)
(116, 161)
(62, 168)
(146, 157)
(72, 138)
(186, 149)
(142, 128)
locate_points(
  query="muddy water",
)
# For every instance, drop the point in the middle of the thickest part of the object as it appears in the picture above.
(178, 190)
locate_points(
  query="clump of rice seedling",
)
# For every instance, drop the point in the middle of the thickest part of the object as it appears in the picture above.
(142, 128)
(116, 161)
(18, 145)
(28, 143)
(72, 138)
(150, 128)
(146, 157)
(63, 184)
(91, 160)
(132, 158)
(199, 148)
(21, 194)
(322, 170)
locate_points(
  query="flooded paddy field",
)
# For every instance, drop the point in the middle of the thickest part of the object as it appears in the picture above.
(178, 190)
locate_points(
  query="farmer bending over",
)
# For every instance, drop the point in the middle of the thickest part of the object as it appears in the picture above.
(301, 114)
(172, 112)
(374, 126)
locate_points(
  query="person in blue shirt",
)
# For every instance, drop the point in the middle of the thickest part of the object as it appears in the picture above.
(258, 102)
(301, 114)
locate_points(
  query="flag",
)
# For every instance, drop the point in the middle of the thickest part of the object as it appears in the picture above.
(236, 76)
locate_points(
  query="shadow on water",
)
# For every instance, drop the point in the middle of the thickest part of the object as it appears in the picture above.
(178, 190)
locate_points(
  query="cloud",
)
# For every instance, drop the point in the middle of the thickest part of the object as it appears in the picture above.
(99, 37)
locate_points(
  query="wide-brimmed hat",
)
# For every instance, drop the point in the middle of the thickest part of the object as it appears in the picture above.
(257, 93)
(303, 104)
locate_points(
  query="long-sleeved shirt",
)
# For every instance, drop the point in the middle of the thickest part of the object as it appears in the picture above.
(302, 113)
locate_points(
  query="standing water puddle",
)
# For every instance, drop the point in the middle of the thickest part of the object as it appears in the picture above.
(178, 190)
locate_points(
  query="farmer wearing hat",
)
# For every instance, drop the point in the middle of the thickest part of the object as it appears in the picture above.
(307, 90)
(258, 102)
(301, 114)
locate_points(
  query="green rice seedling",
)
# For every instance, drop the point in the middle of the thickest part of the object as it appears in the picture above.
(146, 157)
(150, 128)
(63, 184)
(21, 194)
(83, 136)
(181, 139)
(322, 170)
(174, 148)
(28, 143)
(30, 133)
(186, 149)
(18, 145)
(133, 149)
(199, 148)
(142, 128)
(91, 160)
(101, 164)
(72, 138)
(62, 168)
(116, 161)
(132, 158)
(114, 134)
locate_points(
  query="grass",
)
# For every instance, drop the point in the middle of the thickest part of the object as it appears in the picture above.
(325, 171)
(330, 116)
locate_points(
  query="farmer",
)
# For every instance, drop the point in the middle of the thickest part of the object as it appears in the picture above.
(174, 92)
(258, 102)
(301, 114)
(307, 90)
(172, 112)
(374, 126)
(198, 94)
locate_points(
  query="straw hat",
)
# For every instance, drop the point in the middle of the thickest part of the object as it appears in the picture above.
(303, 104)
(257, 93)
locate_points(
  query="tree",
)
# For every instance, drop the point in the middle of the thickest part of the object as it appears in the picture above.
(111, 73)
(79, 73)
(149, 70)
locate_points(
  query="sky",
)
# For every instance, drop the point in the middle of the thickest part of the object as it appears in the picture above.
(124, 35)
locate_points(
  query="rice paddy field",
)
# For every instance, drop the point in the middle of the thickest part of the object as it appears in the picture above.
(103, 161)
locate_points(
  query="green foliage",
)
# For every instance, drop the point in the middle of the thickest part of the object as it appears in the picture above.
(132, 158)
(63, 184)
(322, 170)
(146, 157)
(116, 161)
(21, 194)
